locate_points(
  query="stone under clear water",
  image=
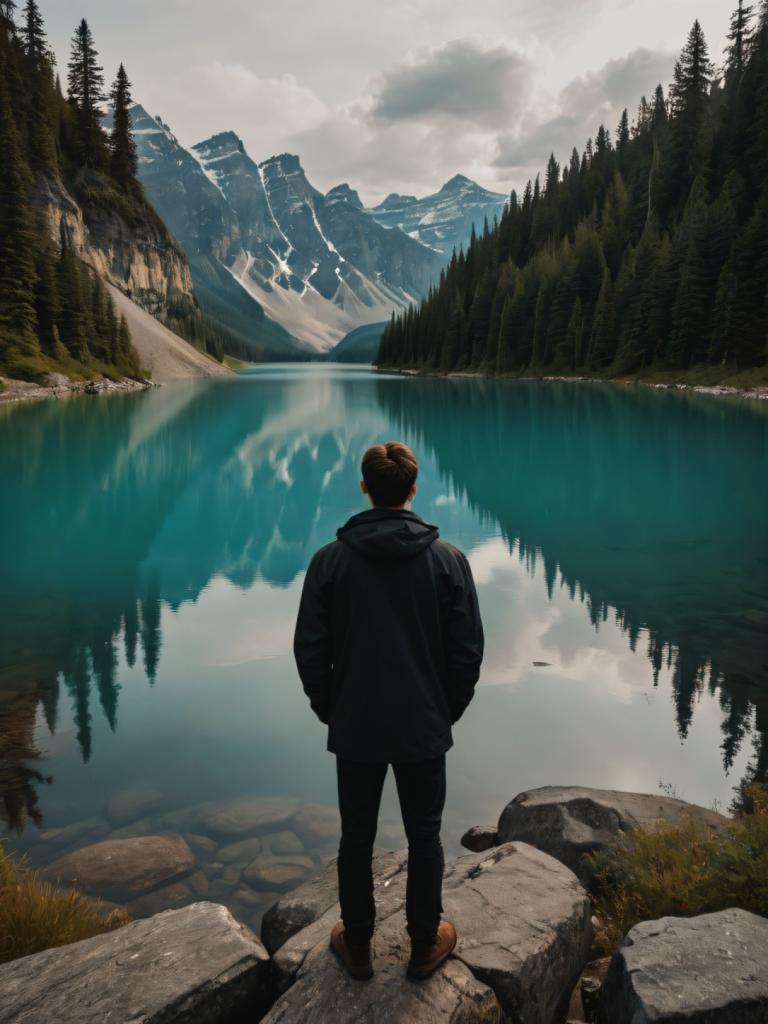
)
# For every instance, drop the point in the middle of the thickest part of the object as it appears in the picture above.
(152, 549)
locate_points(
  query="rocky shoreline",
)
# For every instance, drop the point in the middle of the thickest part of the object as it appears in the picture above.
(716, 390)
(60, 386)
(520, 900)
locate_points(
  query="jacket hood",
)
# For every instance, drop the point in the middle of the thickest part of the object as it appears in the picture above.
(387, 534)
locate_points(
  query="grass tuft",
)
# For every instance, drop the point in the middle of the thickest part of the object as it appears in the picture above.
(36, 915)
(682, 870)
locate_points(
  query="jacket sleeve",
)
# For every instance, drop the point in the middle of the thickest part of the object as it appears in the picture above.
(464, 639)
(312, 642)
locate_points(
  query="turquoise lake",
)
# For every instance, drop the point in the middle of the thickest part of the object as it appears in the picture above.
(152, 551)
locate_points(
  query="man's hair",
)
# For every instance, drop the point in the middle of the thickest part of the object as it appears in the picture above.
(389, 471)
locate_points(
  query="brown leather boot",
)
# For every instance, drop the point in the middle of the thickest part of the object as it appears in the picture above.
(426, 957)
(356, 958)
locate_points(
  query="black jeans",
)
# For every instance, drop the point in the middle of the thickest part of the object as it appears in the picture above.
(421, 790)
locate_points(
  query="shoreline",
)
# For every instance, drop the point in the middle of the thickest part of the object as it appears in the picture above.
(14, 390)
(759, 393)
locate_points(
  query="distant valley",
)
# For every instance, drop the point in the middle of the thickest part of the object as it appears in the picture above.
(284, 269)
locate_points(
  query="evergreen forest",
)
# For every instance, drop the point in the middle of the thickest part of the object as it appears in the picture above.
(56, 314)
(646, 252)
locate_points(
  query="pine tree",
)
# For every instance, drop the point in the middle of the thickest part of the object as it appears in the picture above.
(602, 340)
(123, 162)
(18, 320)
(73, 322)
(739, 39)
(33, 34)
(86, 93)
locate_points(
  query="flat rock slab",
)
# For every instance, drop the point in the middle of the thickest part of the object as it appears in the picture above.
(191, 966)
(524, 932)
(323, 991)
(123, 868)
(569, 822)
(711, 969)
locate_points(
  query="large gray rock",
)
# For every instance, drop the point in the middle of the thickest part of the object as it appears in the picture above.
(569, 822)
(524, 932)
(123, 868)
(711, 969)
(191, 966)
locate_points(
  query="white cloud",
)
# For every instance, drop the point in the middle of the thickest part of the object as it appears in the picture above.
(465, 80)
(595, 98)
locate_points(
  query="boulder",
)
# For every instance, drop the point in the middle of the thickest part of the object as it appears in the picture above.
(132, 804)
(247, 816)
(711, 969)
(524, 932)
(325, 992)
(480, 838)
(196, 965)
(569, 822)
(123, 868)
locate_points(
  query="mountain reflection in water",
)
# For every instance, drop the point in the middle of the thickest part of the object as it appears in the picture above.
(648, 509)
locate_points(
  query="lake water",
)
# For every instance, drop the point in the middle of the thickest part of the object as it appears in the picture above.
(152, 551)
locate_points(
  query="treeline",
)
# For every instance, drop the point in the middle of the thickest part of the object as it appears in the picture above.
(647, 250)
(55, 313)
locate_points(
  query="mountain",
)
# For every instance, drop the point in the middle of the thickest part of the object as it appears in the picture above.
(444, 220)
(318, 264)
(646, 252)
(191, 202)
(287, 269)
(359, 346)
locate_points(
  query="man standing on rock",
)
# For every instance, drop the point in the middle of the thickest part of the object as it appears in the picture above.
(388, 646)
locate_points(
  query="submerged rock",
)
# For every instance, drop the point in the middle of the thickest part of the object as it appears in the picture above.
(123, 867)
(524, 933)
(90, 830)
(280, 874)
(196, 965)
(711, 969)
(247, 816)
(131, 804)
(569, 822)
(167, 897)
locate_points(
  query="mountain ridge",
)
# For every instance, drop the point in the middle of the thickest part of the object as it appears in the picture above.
(315, 265)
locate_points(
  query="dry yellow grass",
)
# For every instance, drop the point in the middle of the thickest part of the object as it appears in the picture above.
(35, 915)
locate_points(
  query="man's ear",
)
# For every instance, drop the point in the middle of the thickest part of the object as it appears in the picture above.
(363, 487)
(412, 495)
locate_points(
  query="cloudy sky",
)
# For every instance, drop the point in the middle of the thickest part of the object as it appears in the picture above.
(394, 96)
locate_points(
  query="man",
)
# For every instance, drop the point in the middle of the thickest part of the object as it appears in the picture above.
(388, 646)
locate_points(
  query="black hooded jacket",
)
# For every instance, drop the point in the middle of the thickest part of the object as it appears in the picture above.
(389, 639)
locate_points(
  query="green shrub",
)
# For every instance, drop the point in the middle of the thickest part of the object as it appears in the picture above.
(682, 870)
(35, 915)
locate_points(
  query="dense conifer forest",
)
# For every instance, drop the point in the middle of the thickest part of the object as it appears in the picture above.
(55, 312)
(648, 250)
